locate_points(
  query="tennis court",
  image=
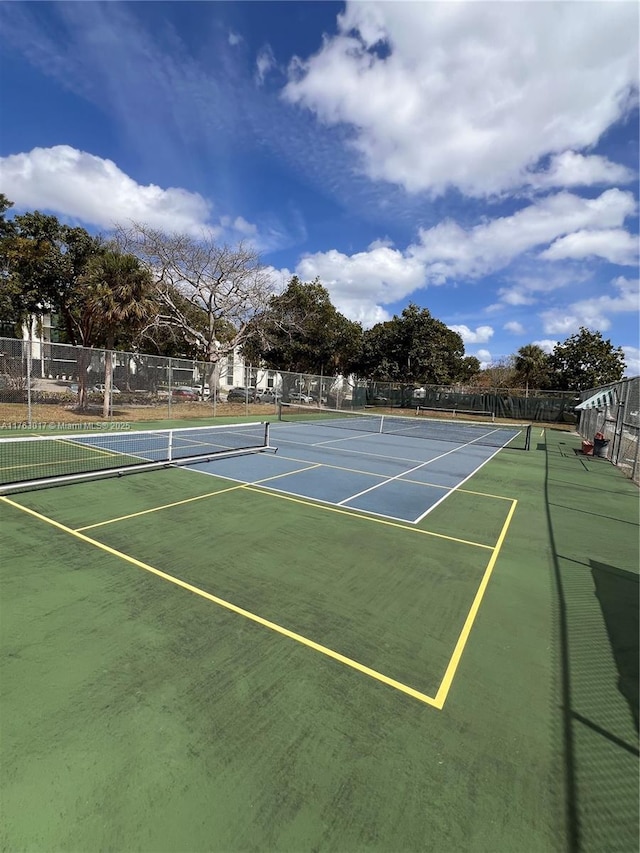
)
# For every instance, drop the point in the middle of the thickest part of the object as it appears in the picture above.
(329, 632)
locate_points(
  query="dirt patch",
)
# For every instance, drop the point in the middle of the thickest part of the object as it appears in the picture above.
(15, 415)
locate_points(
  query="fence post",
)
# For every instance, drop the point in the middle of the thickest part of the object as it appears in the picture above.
(170, 383)
(29, 418)
(617, 430)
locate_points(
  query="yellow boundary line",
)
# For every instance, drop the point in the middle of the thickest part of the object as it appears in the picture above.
(285, 632)
(355, 514)
(185, 501)
(445, 685)
(256, 487)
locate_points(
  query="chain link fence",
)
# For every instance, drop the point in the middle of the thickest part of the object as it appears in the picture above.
(612, 424)
(43, 382)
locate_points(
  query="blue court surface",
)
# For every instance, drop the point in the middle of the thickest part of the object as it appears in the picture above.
(396, 476)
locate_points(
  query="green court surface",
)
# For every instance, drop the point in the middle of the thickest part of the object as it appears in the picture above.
(193, 664)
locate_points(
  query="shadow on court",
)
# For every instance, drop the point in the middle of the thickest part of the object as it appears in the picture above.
(597, 623)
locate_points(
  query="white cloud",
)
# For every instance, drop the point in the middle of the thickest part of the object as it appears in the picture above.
(473, 95)
(612, 244)
(514, 327)
(360, 284)
(383, 242)
(451, 251)
(485, 358)
(83, 187)
(570, 169)
(594, 313)
(526, 289)
(514, 296)
(546, 345)
(482, 334)
(558, 322)
(234, 38)
(265, 61)
(239, 224)
(632, 360)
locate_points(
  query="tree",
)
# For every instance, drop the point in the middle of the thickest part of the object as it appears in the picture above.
(500, 375)
(8, 291)
(585, 360)
(302, 332)
(531, 364)
(173, 341)
(42, 261)
(227, 285)
(414, 347)
(118, 294)
(469, 369)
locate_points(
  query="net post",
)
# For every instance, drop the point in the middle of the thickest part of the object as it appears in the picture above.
(266, 434)
(170, 447)
(381, 424)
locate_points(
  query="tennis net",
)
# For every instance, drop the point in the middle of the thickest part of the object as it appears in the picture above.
(512, 436)
(40, 460)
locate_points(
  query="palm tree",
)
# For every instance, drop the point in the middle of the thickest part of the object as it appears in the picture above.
(531, 366)
(121, 297)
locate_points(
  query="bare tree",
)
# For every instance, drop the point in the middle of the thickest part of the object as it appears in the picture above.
(228, 286)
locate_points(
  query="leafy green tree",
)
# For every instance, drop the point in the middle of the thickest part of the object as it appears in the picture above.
(118, 294)
(301, 331)
(42, 261)
(414, 347)
(5, 224)
(585, 360)
(8, 290)
(469, 369)
(532, 366)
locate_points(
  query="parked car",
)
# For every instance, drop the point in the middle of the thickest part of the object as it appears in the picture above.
(299, 397)
(101, 388)
(186, 393)
(241, 395)
(269, 396)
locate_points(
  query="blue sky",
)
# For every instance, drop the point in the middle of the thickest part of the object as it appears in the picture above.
(480, 159)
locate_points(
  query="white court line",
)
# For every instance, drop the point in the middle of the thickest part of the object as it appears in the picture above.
(260, 484)
(449, 489)
(457, 486)
(416, 468)
(356, 512)
(358, 452)
(359, 435)
(346, 438)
